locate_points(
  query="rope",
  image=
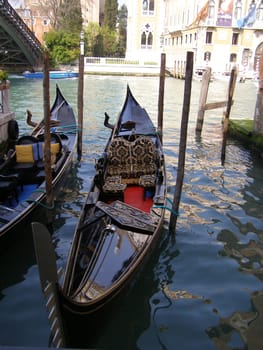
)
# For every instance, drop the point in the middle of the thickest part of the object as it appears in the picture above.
(165, 207)
(73, 129)
(37, 202)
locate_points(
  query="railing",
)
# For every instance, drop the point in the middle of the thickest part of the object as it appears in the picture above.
(117, 61)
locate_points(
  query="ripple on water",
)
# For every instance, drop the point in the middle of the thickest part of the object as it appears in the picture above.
(202, 287)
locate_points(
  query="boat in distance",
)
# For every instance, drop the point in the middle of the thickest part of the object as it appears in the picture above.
(22, 173)
(58, 74)
(118, 228)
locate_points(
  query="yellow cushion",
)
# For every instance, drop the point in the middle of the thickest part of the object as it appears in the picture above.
(24, 154)
(54, 148)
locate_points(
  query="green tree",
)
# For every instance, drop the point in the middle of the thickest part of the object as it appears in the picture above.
(63, 14)
(63, 47)
(122, 28)
(100, 41)
(110, 41)
(70, 16)
(93, 40)
(111, 14)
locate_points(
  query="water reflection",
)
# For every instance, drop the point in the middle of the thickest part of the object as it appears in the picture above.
(241, 330)
(200, 291)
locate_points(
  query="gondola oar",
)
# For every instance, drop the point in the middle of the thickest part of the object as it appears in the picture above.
(46, 260)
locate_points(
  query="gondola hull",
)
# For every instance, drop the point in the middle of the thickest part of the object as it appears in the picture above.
(22, 176)
(83, 325)
(119, 226)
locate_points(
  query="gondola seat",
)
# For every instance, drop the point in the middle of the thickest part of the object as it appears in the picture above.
(147, 180)
(113, 184)
(55, 149)
(119, 158)
(131, 163)
(143, 157)
(29, 160)
(26, 153)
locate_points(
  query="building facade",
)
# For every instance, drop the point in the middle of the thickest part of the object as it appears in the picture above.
(37, 15)
(92, 11)
(221, 33)
(144, 30)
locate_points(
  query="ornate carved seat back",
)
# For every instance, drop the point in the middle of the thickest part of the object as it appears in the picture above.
(132, 159)
(119, 158)
(143, 155)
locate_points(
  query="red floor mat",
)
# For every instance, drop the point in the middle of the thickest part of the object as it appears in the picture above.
(134, 196)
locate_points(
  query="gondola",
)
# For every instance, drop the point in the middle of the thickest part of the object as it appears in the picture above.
(118, 228)
(22, 174)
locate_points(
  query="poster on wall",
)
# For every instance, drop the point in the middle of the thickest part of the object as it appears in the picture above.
(225, 11)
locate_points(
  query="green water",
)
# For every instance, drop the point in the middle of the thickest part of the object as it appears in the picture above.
(202, 288)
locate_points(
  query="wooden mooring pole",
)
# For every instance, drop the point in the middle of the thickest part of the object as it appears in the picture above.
(183, 140)
(203, 105)
(80, 95)
(258, 115)
(231, 89)
(202, 100)
(161, 96)
(47, 153)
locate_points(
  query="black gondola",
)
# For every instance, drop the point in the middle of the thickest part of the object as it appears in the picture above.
(118, 227)
(22, 174)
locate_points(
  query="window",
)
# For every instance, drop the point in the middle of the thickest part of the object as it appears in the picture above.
(238, 9)
(207, 56)
(259, 13)
(148, 7)
(209, 36)
(161, 41)
(45, 22)
(233, 57)
(147, 37)
(235, 39)
(150, 41)
(211, 9)
(143, 40)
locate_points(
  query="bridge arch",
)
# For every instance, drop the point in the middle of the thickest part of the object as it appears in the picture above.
(19, 48)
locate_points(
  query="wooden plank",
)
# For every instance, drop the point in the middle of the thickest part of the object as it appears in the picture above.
(214, 105)
(128, 217)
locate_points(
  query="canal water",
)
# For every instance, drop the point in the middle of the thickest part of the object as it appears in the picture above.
(202, 288)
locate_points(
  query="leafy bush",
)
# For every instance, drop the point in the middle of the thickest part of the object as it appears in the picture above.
(3, 75)
(63, 47)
